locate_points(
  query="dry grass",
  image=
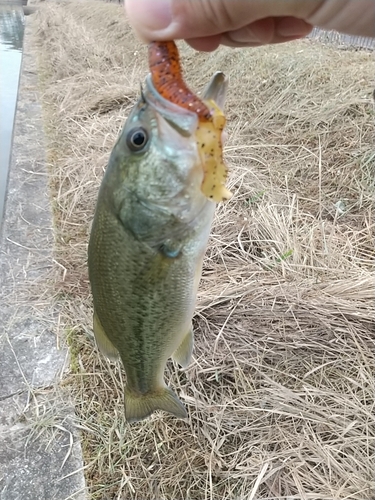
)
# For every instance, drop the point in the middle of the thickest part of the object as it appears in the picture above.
(281, 391)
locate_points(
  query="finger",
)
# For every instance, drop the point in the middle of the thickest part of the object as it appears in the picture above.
(174, 19)
(270, 30)
(205, 43)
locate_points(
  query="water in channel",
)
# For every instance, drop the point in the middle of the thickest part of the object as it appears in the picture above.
(11, 40)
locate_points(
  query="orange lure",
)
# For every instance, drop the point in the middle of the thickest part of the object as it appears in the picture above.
(166, 72)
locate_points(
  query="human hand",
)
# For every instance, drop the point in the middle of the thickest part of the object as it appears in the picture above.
(205, 24)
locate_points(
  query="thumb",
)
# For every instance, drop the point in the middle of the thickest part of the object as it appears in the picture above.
(176, 19)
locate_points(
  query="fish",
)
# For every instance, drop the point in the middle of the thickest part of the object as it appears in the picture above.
(148, 238)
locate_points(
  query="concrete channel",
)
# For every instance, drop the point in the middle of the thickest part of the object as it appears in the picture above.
(40, 452)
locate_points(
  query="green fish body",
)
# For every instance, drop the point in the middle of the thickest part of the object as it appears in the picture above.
(146, 248)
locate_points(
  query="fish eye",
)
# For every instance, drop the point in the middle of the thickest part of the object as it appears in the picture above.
(137, 139)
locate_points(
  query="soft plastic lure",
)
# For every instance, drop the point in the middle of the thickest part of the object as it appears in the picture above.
(166, 72)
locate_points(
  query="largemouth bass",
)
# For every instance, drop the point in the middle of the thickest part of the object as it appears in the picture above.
(148, 238)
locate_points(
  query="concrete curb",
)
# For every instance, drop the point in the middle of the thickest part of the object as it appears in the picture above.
(40, 453)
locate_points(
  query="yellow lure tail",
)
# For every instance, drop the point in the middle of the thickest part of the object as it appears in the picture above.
(210, 149)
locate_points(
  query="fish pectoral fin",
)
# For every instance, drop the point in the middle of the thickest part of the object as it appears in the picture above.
(183, 354)
(140, 406)
(105, 346)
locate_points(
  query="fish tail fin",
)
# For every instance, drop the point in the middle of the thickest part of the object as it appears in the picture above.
(140, 406)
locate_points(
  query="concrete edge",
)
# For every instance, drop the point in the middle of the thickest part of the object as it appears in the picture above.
(40, 453)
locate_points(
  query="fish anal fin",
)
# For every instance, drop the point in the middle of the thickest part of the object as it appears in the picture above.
(182, 355)
(140, 406)
(105, 346)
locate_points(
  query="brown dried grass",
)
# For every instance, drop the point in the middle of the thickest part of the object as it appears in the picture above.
(281, 390)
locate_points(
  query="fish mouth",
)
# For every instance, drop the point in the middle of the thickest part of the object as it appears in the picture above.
(181, 119)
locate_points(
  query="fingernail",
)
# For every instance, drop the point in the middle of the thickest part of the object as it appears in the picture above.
(288, 26)
(150, 15)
